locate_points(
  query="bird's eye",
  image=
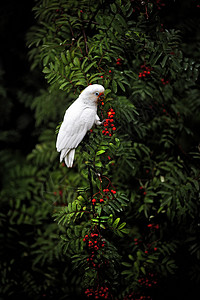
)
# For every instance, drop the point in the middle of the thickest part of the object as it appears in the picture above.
(97, 93)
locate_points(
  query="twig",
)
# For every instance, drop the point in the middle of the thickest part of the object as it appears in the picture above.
(91, 187)
(85, 40)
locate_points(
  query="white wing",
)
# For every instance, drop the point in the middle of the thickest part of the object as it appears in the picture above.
(77, 121)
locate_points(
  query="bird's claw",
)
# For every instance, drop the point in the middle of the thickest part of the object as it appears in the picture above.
(102, 122)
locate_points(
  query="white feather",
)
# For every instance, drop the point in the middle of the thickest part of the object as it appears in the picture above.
(78, 119)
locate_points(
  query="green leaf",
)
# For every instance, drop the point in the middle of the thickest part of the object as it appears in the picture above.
(122, 225)
(164, 60)
(113, 8)
(63, 58)
(115, 223)
(196, 184)
(125, 230)
(46, 70)
(126, 264)
(127, 272)
(114, 86)
(90, 66)
(63, 85)
(122, 86)
(121, 20)
(100, 152)
(77, 61)
(45, 60)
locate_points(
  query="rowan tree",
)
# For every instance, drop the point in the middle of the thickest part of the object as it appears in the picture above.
(123, 222)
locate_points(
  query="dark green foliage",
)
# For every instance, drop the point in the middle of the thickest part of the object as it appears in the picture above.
(147, 172)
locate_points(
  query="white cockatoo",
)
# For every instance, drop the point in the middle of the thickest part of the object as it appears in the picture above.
(78, 119)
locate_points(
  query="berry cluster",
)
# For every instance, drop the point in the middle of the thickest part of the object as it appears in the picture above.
(148, 281)
(99, 293)
(164, 82)
(142, 188)
(109, 126)
(137, 296)
(107, 75)
(159, 4)
(94, 243)
(108, 193)
(60, 192)
(137, 241)
(146, 71)
(94, 201)
(153, 226)
(119, 62)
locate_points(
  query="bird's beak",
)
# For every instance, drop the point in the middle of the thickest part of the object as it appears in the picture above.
(101, 97)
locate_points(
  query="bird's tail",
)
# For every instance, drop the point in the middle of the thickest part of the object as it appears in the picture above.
(69, 158)
(68, 155)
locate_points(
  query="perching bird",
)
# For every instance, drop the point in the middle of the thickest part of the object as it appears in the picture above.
(78, 119)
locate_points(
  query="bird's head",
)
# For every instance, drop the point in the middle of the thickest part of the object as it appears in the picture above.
(93, 93)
